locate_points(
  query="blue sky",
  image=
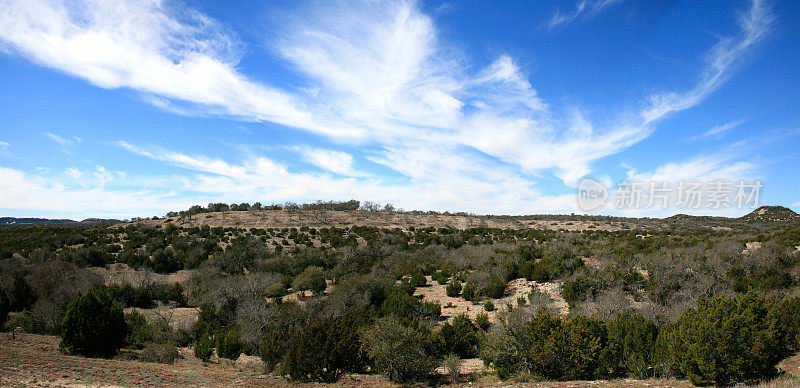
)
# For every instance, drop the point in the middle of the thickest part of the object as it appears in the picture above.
(134, 108)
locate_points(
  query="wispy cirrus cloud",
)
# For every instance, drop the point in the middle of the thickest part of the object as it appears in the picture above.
(584, 10)
(65, 143)
(372, 73)
(718, 131)
(176, 53)
(721, 61)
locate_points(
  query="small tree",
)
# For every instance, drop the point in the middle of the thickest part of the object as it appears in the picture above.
(229, 345)
(496, 288)
(312, 278)
(22, 295)
(482, 321)
(460, 337)
(398, 351)
(418, 279)
(468, 293)
(631, 342)
(326, 349)
(440, 276)
(453, 289)
(93, 325)
(727, 340)
(273, 348)
(203, 348)
(140, 332)
(5, 308)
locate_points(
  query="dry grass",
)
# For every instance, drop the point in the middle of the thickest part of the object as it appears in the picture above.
(34, 361)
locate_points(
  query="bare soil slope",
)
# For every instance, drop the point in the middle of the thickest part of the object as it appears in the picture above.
(342, 219)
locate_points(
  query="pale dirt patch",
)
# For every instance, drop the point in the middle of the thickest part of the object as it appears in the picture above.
(176, 317)
(454, 306)
(751, 246)
(593, 262)
(468, 365)
(121, 274)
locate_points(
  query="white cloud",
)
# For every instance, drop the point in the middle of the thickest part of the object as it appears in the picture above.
(74, 173)
(721, 61)
(337, 162)
(24, 193)
(375, 72)
(4, 144)
(718, 130)
(584, 9)
(143, 45)
(450, 183)
(704, 170)
(66, 144)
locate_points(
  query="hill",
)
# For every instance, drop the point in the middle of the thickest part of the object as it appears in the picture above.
(50, 221)
(34, 221)
(771, 214)
(401, 220)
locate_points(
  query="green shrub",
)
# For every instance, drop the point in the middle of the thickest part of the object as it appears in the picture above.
(727, 340)
(664, 364)
(22, 295)
(399, 304)
(5, 308)
(326, 349)
(496, 288)
(488, 306)
(440, 277)
(163, 353)
(93, 325)
(418, 279)
(405, 287)
(578, 289)
(312, 278)
(208, 322)
(273, 348)
(176, 294)
(482, 321)
(460, 337)
(787, 314)
(631, 343)
(468, 292)
(546, 347)
(453, 289)
(229, 345)
(26, 321)
(203, 348)
(140, 332)
(181, 337)
(584, 339)
(398, 351)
